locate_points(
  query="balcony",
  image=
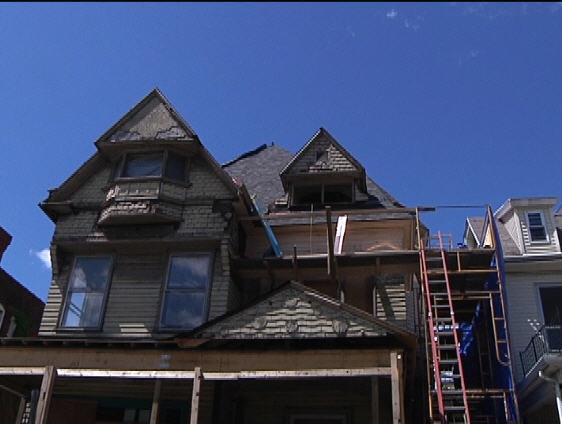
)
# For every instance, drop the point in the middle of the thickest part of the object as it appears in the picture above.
(548, 340)
(143, 201)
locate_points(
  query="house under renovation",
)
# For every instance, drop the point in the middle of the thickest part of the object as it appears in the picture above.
(277, 288)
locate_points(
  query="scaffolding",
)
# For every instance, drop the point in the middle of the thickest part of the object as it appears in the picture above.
(469, 372)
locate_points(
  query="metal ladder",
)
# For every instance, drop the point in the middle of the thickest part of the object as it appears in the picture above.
(449, 381)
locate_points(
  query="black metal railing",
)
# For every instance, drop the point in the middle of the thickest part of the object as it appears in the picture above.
(547, 340)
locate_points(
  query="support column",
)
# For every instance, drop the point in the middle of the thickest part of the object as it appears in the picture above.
(196, 395)
(155, 402)
(396, 364)
(45, 394)
(21, 410)
(375, 404)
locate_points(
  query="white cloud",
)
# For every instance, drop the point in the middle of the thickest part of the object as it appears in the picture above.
(391, 14)
(44, 256)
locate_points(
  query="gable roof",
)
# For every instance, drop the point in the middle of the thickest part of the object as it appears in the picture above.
(153, 118)
(476, 226)
(335, 158)
(294, 311)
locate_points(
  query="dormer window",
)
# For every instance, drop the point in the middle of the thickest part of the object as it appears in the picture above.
(154, 164)
(320, 194)
(536, 227)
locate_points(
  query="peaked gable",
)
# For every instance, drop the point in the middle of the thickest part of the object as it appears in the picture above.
(298, 312)
(322, 153)
(153, 118)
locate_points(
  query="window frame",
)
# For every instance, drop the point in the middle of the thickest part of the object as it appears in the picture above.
(62, 316)
(206, 308)
(120, 167)
(543, 222)
(322, 192)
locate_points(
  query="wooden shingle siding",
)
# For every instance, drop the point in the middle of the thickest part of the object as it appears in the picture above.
(204, 183)
(93, 190)
(291, 313)
(333, 160)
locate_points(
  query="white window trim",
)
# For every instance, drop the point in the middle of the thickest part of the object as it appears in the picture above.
(547, 241)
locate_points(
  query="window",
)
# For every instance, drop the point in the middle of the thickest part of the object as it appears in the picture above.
(322, 194)
(536, 226)
(142, 165)
(551, 300)
(156, 164)
(186, 297)
(87, 290)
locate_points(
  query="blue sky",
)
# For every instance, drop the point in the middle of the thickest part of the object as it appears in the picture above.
(442, 103)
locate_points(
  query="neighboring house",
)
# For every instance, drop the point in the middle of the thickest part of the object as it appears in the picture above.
(20, 316)
(277, 288)
(530, 236)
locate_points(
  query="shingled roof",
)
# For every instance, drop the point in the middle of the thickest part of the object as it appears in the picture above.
(259, 170)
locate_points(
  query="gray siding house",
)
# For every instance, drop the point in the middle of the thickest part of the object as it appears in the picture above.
(530, 235)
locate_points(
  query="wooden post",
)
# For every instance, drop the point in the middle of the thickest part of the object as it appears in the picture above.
(295, 264)
(45, 394)
(330, 237)
(375, 405)
(155, 402)
(195, 396)
(21, 410)
(397, 387)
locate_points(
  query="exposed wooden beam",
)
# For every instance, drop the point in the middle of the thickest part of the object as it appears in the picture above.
(330, 240)
(397, 387)
(189, 375)
(155, 402)
(295, 264)
(11, 391)
(21, 410)
(195, 396)
(45, 394)
(405, 211)
(375, 404)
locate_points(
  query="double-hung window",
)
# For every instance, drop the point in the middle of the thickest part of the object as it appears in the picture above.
(185, 304)
(537, 228)
(87, 290)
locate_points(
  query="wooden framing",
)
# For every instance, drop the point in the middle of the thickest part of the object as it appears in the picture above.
(397, 388)
(45, 394)
(198, 376)
(375, 404)
(154, 410)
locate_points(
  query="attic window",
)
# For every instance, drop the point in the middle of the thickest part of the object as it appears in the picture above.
(156, 164)
(322, 194)
(537, 229)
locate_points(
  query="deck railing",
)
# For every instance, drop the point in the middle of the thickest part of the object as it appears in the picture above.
(548, 339)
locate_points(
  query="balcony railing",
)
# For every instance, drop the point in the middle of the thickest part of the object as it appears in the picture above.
(547, 340)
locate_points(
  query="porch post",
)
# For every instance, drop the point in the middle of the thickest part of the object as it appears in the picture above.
(155, 402)
(397, 388)
(21, 410)
(195, 395)
(375, 400)
(45, 394)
